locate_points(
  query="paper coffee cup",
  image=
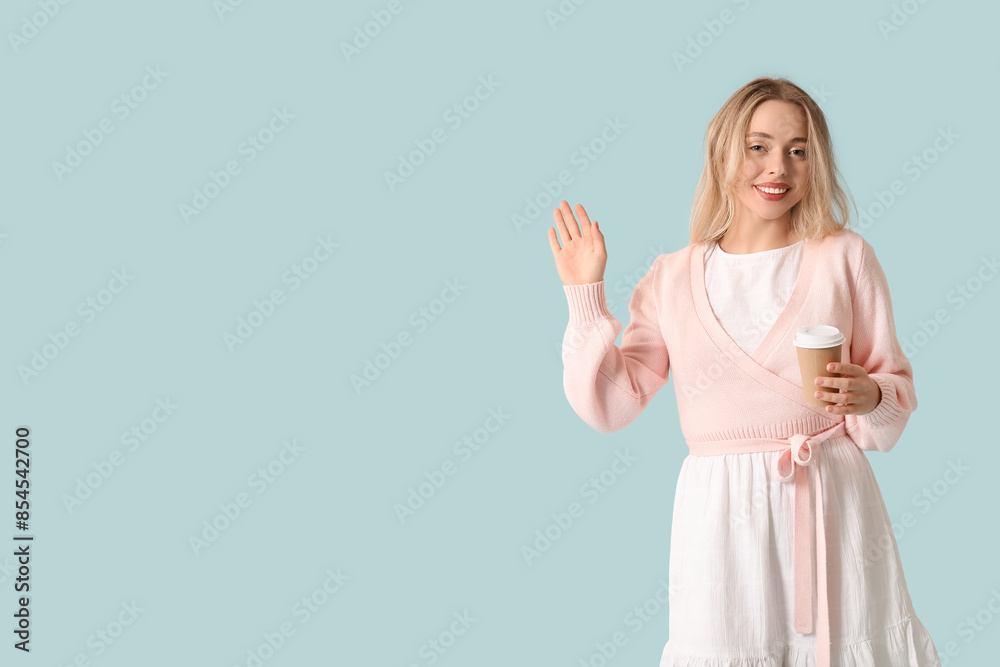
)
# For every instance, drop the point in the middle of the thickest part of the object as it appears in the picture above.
(817, 345)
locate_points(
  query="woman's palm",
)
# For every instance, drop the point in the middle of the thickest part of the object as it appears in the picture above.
(582, 257)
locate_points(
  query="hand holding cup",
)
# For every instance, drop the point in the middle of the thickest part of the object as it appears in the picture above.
(859, 394)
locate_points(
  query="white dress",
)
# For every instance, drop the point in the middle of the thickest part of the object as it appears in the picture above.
(731, 586)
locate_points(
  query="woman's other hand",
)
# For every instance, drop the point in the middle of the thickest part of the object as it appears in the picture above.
(582, 257)
(859, 393)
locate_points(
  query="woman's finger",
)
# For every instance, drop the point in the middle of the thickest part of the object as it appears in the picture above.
(598, 239)
(564, 234)
(842, 398)
(584, 220)
(553, 243)
(567, 212)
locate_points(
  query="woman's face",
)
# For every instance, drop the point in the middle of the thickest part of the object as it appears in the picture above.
(776, 157)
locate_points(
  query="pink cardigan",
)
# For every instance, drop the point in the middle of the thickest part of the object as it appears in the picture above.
(718, 386)
(730, 401)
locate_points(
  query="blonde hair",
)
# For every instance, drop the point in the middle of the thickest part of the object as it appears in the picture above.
(824, 207)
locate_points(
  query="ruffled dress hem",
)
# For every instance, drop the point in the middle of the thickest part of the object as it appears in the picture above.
(904, 645)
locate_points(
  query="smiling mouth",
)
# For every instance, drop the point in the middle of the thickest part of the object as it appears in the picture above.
(772, 191)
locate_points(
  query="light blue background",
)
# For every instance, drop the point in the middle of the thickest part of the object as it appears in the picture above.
(494, 347)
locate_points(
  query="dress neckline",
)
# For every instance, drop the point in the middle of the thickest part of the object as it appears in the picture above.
(717, 248)
(778, 333)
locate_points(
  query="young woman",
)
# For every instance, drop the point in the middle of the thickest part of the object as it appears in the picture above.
(782, 551)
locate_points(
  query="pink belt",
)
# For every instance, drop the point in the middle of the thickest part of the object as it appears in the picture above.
(789, 467)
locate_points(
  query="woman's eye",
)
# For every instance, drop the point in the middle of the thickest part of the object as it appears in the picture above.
(798, 151)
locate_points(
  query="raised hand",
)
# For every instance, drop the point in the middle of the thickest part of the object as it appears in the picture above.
(582, 257)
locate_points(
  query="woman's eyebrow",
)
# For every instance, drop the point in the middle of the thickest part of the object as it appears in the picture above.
(765, 135)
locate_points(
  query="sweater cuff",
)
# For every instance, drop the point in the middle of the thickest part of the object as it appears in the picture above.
(586, 303)
(887, 412)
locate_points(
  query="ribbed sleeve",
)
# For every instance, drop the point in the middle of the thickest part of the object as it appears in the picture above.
(874, 347)
(606, 385)
(587, 303)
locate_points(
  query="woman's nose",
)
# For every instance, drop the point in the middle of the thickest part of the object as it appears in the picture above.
(776, 164)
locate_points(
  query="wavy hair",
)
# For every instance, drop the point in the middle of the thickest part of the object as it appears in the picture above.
(824, 207)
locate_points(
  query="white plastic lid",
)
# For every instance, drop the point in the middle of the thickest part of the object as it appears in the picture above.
(816, 336)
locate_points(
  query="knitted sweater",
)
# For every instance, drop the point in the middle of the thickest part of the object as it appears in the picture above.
(722, 392)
